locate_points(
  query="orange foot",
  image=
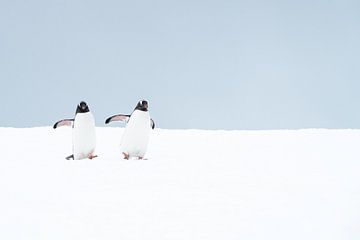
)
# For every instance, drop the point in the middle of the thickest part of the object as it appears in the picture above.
(126, 156)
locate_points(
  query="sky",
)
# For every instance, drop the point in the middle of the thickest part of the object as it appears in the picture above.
(200, 64)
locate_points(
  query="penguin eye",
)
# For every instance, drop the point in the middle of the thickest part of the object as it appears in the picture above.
(141, 103)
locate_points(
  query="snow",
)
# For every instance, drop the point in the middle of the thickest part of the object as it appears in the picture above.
(196, 184)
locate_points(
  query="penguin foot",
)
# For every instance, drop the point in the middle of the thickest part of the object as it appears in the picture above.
(126, 156)
(91, 157)
(140, 158)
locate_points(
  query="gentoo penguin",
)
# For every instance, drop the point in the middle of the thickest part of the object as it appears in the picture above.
(137, 131)
(83, 134)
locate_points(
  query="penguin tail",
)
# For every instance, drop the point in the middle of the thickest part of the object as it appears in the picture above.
(70, 157)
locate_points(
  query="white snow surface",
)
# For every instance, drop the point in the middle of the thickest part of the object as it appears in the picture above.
(196, 184)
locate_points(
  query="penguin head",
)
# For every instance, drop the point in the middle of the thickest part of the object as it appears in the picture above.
(142, 106)
(82, 107)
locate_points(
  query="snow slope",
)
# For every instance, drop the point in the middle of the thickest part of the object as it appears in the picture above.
(302, 184)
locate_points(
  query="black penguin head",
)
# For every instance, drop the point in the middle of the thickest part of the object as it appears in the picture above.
(82, 107)
(142, 106)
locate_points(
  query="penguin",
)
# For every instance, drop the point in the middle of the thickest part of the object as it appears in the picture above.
(83, 133)
(137, 131)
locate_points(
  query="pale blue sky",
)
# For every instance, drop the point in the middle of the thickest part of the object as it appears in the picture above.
(200, 64)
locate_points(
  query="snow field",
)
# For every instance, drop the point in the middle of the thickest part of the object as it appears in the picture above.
(196, 184)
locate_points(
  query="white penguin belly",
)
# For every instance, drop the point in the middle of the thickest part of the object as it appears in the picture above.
(136, 134)
(84, 136)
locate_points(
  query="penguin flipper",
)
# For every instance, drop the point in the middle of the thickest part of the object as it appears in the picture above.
(118, 117)
(64, 122)
(70, 157)
(152, 123)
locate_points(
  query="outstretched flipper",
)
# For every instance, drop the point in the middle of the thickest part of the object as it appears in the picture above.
(70, 157)
(152, 123)
(64, 122)
(118, 117)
